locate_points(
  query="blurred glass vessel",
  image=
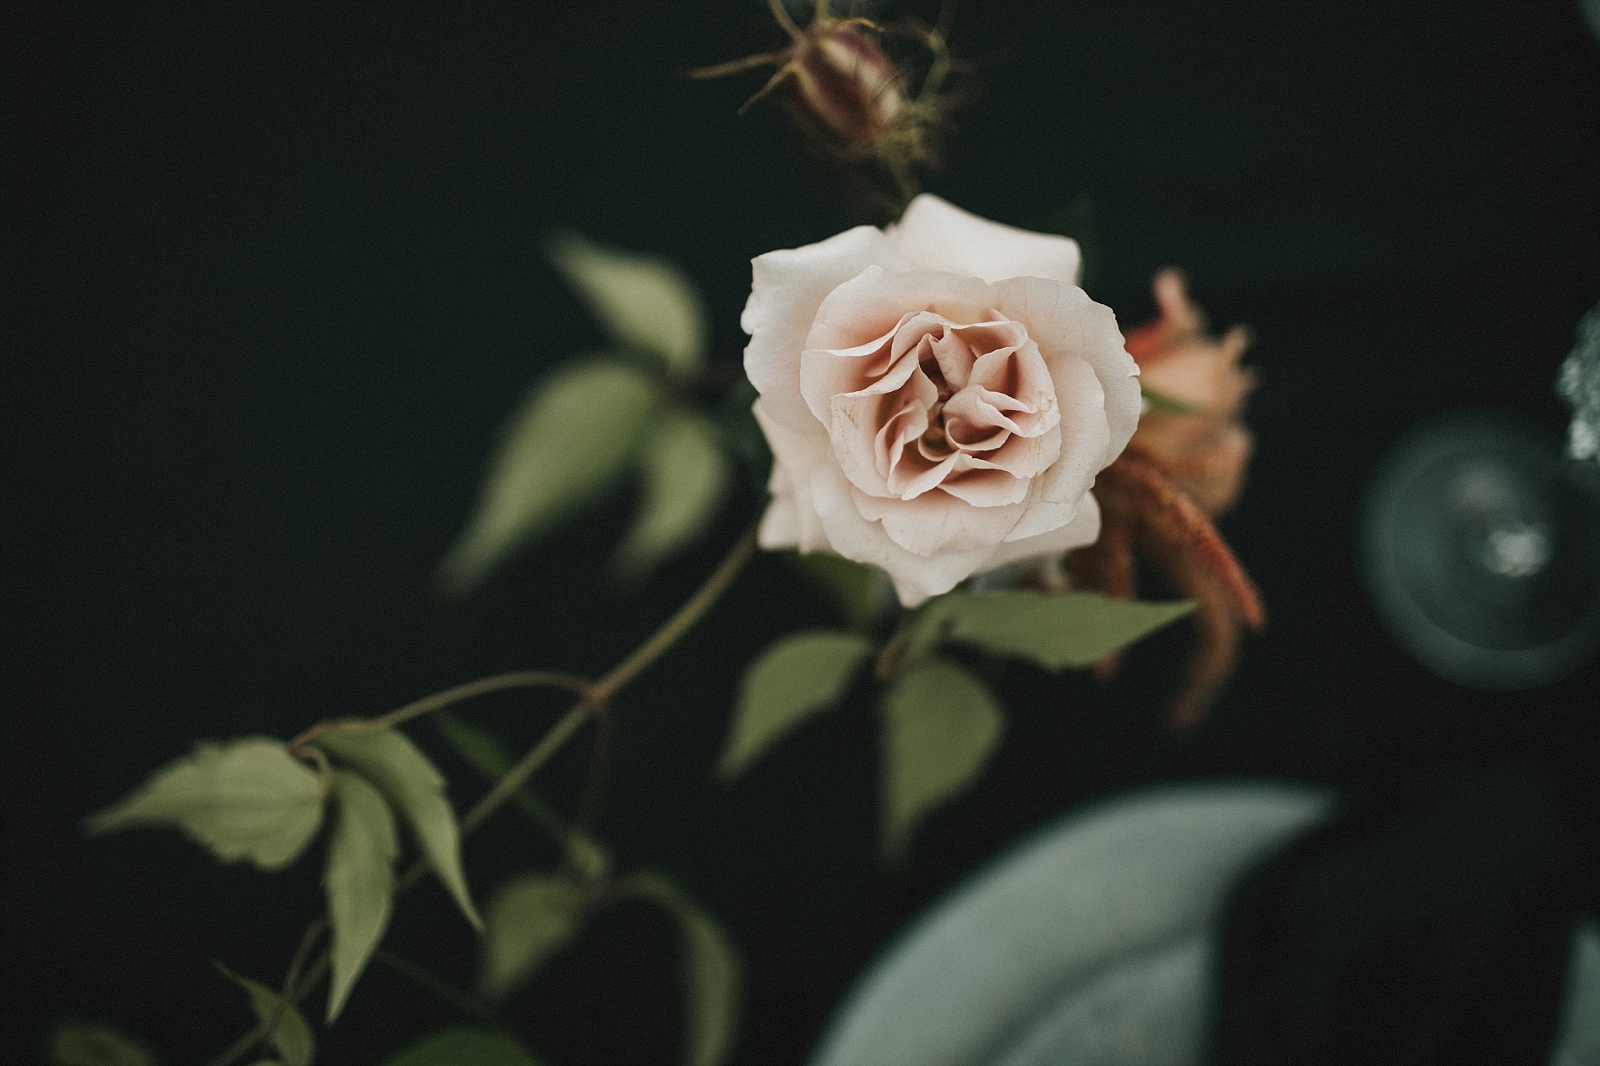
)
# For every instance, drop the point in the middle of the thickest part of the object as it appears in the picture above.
(1480, 548)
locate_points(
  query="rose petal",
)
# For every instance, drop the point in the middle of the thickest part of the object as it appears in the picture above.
(780, 523)
(794, 457)
(787, 289)
(915, 577)
(1057, 491)
(980, 483)
(872, 302)
(1083, 529)
(1064, 322)
(937, 523)
(937, 235)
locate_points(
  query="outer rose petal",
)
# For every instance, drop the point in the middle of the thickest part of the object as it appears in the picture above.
(937, 235)
(1063, 319)
(794, 457)
(1084, 528)
(854, 537)
(787, 289)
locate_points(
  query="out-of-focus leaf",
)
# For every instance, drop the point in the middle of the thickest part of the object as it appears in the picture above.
(528, 919)
(1052, 630)
(711, 973)
(398, 767)
(642, 301)
(794, 679)
(1160, 401)
(857, 590)
(96, 1044)
(684, 477)
(568, 443)
(464, 1046)
(291, 1037)
(940, 725)
(359, 880)
(742, 434)
(243, 799)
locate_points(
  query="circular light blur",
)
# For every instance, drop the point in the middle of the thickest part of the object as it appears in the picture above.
(1480, 548)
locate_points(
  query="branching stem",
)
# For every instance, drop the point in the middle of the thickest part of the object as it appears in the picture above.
(595, 697)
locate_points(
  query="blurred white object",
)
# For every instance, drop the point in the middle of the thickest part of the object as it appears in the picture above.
(1091, 944)
(1480, 548)
(1088, 945)
(1578, 381)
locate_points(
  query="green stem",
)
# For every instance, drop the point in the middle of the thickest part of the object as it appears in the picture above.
(594, 695)
(446, 991)
(679, 624)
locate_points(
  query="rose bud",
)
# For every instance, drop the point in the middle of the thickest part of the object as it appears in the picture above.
(846, 92)
(1192, 428)
(939, 396)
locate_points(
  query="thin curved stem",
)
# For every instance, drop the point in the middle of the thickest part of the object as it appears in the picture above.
(593, 696)
(462, 1001)
(439, 700)
(679, 624)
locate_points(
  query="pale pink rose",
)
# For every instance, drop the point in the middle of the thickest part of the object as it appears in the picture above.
(939, 396)
(1205, 450)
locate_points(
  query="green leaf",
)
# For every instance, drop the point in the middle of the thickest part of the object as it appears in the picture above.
(245, 799)
(529, 919)
(856, 589)
(568, 443)
(464, 1046)
(96, 1044)
(710, 970)
(1160, 401)
(642, 301)
(398, 767)
(684, 478)
(292, 1037)
(489, 755)
(359, 880)
(712, 985)
(940, 725)
(794, 679)
(1050, 629)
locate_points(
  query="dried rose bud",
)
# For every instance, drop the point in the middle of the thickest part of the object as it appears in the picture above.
(1205, 448)
(840, 78)
(845, 90)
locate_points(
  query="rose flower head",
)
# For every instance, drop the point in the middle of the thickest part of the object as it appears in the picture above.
(938, 395)
(1197, 437)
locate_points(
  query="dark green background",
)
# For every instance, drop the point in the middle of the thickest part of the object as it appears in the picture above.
(272, 280)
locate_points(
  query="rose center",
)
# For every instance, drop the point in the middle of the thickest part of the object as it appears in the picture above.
(935, 442)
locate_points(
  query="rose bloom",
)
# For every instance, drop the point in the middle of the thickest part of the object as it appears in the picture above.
(939, 396)
(1205, 450)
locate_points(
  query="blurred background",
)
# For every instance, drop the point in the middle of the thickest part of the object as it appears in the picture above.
(272, 281)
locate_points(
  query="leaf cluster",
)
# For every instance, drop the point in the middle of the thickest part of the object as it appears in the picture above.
(939, 722)
(603, 419)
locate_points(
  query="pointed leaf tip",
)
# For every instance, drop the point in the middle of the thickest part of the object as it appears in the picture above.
(711, 971)
(685, 477)
(359, 881)
(416, 788)
(95, 1044)
(292, 1037)
(1052, 630)
(644, 302)
(529, 919)
(940, 725)
(568, 443)
(464, 1046)
(244, 799)
(795, 678)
